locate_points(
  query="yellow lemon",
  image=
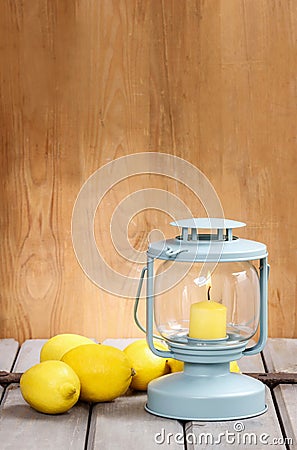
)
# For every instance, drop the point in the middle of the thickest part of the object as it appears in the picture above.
(146, 365)
(55, 347)
(104, 371)
(175, 365)
(234, 367)
(50, 387)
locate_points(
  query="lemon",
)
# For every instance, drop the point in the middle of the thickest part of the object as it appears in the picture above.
(55, 347)
(146, 365)
(104, 371)
(175, 365)
(50, 387)
(234, 367)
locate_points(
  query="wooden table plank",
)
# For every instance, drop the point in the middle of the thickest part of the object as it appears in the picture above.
(125, 424)
(255, 427)
(8, 351)
(29, 354)
(22, 427)
(281, 356)
(286, 397)
(251, 364)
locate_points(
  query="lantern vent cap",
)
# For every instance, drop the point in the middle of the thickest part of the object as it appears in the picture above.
(219, 246)
(206, 223)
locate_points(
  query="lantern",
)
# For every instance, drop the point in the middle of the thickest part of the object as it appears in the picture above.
(207, 299)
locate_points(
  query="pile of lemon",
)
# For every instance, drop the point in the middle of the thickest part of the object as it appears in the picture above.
(73, 367)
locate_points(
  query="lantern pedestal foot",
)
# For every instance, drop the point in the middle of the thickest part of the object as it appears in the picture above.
(221, 396)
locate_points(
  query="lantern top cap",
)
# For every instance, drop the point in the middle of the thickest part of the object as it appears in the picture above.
(212, 247)
(208, 223)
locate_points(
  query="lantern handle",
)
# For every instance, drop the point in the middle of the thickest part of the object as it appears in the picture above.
(264, 274)
(150, 312)
(136, 303)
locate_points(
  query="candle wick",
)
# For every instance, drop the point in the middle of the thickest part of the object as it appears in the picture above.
(208, 292)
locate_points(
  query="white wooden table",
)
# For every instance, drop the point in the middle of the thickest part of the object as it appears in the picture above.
(124, 424)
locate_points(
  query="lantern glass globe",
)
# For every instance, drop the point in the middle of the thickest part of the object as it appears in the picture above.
(178, 285)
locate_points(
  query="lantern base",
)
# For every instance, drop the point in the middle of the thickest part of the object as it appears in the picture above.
(215, 397)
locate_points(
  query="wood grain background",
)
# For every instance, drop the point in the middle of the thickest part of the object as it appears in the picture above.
(83, 82)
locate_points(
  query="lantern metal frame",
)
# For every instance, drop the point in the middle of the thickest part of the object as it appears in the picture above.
(206, 389)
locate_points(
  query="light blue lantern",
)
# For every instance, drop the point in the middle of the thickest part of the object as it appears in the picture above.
(206, 389)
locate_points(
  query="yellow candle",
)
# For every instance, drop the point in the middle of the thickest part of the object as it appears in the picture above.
(208, 320)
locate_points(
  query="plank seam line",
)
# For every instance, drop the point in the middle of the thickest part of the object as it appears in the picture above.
(90, 432)
(15, 358)
(280, 419)
(275, 404)
(10, 370)
(183, 424)
(2, 396)
(264, 362)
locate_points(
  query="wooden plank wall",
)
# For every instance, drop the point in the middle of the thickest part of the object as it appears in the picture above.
(83, 82)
